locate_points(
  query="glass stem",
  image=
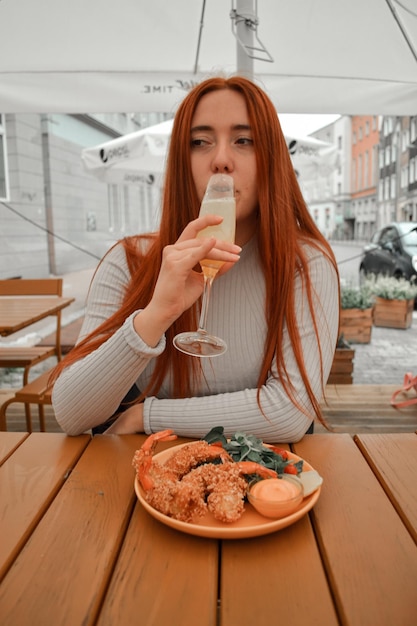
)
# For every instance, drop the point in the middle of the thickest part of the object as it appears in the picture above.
(208, 281)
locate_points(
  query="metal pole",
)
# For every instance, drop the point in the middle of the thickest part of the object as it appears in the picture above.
(246, 9)
(48, 194)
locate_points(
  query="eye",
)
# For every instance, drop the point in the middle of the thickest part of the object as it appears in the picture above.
(197, 142)
(244, 141)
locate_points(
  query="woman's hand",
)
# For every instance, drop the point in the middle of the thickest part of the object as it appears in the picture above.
(179, 285)
(129, 422)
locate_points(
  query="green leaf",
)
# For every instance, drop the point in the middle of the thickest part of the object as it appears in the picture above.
(216, 435)
(243, 447)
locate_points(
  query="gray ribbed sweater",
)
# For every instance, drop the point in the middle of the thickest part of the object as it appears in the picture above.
(89, 392)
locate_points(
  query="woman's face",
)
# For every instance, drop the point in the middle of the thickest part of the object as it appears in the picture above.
(221, 142)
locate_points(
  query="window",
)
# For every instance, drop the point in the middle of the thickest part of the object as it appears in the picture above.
(388, 126)
(374, 175)
(386, 188)
(412, 173)
(393, 187)
(381, 190)
(366, 170)
(381, 158)
(404, 177)
(4, 183)
(118, 208)
(413, 129)
(367, 128)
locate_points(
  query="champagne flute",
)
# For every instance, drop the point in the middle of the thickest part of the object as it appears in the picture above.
(218, 200)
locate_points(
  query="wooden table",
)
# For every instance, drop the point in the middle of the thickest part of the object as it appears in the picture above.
(17, 312)
(78, 548)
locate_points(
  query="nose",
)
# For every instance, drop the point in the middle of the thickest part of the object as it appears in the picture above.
(222, 158)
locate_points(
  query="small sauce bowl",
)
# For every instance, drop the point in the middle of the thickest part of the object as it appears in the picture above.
(276, 497)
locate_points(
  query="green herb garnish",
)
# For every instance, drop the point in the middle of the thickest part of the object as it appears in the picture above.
(243, 447)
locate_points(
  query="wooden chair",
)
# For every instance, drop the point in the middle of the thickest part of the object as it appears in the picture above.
(36, 392)
(27, 357)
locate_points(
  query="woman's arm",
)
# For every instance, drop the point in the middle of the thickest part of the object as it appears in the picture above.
(90, 391)
(239, 410)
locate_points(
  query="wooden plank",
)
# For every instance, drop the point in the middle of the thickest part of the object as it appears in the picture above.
(287, 555)
(367, 408)
(29, 480)
(61, 575)
(275, 579)
(171, 576)
(393, 313)
(370, 557)
(162, 571)
(164, 575)
(18, 313)
(8, 444)
(31, 287)
(393, 459)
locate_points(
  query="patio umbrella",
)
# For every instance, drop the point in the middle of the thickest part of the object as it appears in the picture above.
(136, 158)
(139, 157)
(312, 56)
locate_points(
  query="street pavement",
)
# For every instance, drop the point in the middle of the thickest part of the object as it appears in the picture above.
(389, 355)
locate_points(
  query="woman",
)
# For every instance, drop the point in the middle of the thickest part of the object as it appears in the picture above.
(275, 301)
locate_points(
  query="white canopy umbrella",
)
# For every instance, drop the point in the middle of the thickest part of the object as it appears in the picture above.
(136, 158)
(318, 56)
(139, 157)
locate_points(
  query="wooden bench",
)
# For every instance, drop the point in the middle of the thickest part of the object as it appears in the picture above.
(36, 392)
(366, 408)
(27, 357)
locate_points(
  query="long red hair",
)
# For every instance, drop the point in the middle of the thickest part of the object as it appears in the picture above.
(284, 223)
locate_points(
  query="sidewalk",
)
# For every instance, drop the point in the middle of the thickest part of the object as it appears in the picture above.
(389, 355)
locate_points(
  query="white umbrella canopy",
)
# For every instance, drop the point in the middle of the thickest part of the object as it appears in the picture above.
(136, 158)
(329, 56)
(139, 158)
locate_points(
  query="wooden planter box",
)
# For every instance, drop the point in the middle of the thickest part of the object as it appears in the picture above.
(342, 367)
(356, 325)
(393, 313)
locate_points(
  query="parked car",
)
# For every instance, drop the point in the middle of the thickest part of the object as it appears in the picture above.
(392, 251)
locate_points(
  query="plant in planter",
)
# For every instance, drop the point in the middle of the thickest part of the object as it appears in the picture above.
(356, 313)
(394, 301)
(342, 366)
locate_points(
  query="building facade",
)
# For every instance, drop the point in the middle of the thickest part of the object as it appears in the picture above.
(364, 175)
(397, 187)
(329, 201)
(55, 217)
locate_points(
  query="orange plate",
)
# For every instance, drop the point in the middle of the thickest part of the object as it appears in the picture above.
(251, 524)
